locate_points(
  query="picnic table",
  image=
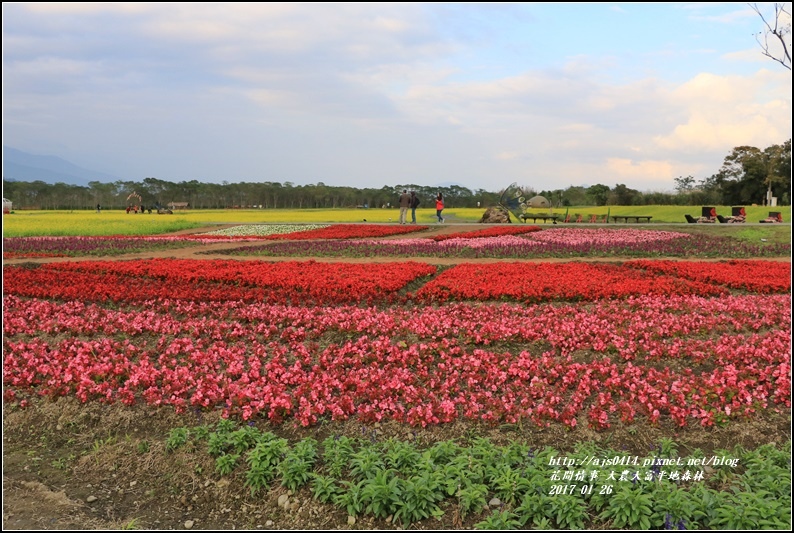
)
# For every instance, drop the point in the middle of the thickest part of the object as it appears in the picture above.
(544, 218)
(627, 218)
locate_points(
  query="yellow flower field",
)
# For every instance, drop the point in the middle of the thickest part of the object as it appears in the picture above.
(34, 223)
(118, 222)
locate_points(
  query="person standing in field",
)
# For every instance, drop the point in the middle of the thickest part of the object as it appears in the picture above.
(405, 203)
(414, 205)
(439, 207)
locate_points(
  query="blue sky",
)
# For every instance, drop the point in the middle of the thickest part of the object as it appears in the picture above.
(368, 94)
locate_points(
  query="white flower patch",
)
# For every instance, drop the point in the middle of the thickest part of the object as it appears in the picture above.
(263, 230)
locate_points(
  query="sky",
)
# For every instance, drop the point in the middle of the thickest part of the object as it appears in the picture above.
(547, 95)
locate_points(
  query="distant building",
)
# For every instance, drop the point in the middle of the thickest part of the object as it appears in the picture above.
(7, 205)
(178, 205)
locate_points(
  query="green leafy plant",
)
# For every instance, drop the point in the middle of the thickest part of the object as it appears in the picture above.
(671, 504)
(297, 466)
(337, 452)
(442, 452)
(401, 456)
(258, 477)
(750, 511)
(200, 432)
(486, 452)
(569, 511)
(629, 507)
(101, 443)
(177, 438)
(599, 497)
(767, 468)
(267, 452)
(226, 463)
(472, 499)
(453, 477)
(535, 509)
(324, 488)
(382, 493)
(499, 520)
(218, 444)
(667, 447)
(709, 501)
(349, 497)
(509, 485)
(365, 463)
(262, 461)
(225, 426)
(420, 496)
(396, 478)
(538, 481)
(244, 439)
(516, 453)
(466, 469)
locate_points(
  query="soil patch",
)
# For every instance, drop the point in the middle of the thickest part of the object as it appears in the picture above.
(90, 466)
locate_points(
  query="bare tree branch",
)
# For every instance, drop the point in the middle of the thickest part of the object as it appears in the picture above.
(777, 33)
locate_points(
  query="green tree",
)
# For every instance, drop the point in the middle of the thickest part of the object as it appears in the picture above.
(749, 172)
(778, 179)
(623, 195)
(575, 195)
(683, 185)
(599, 193)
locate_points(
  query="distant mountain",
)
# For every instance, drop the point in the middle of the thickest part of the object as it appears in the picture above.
(22, 166)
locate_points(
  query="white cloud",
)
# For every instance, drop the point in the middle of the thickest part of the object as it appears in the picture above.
(728, 111)
(87, 8)
(347, 91)
(640, 170)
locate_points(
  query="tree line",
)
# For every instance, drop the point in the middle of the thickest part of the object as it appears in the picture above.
(747, 176)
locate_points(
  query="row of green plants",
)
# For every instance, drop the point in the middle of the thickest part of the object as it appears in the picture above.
(401, 479)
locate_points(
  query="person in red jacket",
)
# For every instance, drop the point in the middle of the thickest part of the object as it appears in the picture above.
(439, 207)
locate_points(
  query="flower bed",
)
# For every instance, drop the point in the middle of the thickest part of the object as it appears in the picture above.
(604, 236)
(494, 231)
(259, 230)
(756, 276)
(349, 231)
(213, 280)
(537, 282)
(23, 247)
(99, 246)
(681, 358)
(557, 243)
(653, 356)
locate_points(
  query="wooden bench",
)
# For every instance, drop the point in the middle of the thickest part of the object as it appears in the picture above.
(544, 218)
(627, 218)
